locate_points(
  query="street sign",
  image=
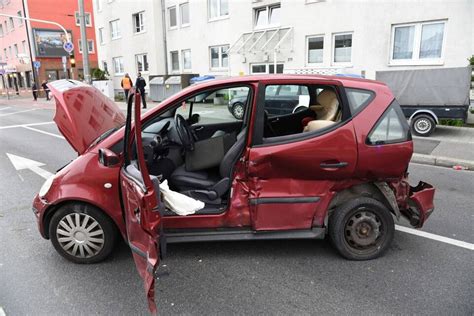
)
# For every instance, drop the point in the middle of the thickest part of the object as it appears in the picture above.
(68, 47)
(36, 64)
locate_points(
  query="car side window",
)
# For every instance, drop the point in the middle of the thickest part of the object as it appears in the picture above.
(218, 106)
(358, 99)
(285, 99)
(391, 128)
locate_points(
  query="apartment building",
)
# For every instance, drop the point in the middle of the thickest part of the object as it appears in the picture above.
(130, 38)
(18, 37)
(239, 37)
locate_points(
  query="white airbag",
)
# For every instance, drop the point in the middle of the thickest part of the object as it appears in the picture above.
(179, 203)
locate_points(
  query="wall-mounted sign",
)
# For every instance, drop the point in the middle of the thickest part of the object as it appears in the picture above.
(50, 43)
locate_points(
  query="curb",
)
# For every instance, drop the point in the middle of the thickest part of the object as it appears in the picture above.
(442, 161)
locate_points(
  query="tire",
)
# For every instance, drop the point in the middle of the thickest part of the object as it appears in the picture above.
(423, 125)
(90, 244)
(361, 229)
(238, 110)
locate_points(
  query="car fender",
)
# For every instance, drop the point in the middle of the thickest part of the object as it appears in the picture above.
(429, 112)
(71, 193)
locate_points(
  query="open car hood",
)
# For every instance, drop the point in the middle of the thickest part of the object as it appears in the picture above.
(83, 113)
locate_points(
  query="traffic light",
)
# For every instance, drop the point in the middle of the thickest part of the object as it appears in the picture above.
(72, 61)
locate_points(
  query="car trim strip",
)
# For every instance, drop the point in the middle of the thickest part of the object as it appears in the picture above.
(284, 200)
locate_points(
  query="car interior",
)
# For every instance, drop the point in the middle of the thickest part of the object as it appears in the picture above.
(195, 146)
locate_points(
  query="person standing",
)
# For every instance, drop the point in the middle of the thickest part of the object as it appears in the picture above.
(140, 85)
(44, 85)
(34, 87)
(126, 84)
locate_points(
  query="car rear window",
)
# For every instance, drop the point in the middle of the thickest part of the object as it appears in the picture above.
(391, 128)
(358, 99)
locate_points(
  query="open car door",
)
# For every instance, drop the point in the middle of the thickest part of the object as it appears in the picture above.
(141, 203)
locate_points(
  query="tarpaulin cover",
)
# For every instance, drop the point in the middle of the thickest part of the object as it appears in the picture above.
(429, 87)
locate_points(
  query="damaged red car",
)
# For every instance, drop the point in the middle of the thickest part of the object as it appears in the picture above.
(335, 167)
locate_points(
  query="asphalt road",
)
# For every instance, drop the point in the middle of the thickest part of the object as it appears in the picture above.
(416, 276)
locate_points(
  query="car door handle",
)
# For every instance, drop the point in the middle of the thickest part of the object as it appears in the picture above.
(327, 165)
(199, 128)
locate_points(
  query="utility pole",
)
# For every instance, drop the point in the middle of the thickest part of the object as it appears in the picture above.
(85, 50)
(34, 71)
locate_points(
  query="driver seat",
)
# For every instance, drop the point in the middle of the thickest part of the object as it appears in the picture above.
(206, 185)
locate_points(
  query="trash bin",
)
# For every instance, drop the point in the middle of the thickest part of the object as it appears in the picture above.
(172, 86)
(157, 88)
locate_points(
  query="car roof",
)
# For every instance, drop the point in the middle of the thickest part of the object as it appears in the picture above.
(278, 77)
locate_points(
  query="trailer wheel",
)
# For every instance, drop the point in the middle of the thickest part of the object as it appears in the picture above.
(423, 125)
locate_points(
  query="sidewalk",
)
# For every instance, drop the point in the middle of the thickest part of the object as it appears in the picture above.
(448, 146)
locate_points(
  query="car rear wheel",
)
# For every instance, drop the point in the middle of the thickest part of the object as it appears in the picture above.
(361, 229)
(82, 233)
(423, 125)
(238, 110)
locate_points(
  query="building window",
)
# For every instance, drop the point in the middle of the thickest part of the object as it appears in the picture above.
(218, 8)
(101, 35)
(256, 69)
(184, 14)
(114, 29)
(138, 22)
(6, 27)
(88, 18)
(186, 55)
(141, 61)
(15, 49)
(219, 57)
(173, 21)
(417, 42)
(118, 65)
(343, 48)
(10, 51)
(105, 67)
(1, 30)
(98, 5)
(315, 49)
(23, 43)
(5, 53)
(20, 15)
(174, 61)
(11, 24)
(267, 16)
(90, 46)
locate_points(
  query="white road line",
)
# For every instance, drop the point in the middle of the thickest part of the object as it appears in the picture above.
(23, 125)
(43, 132)
(2, 312)
(1, 115)
(8, 107)
(446, 240)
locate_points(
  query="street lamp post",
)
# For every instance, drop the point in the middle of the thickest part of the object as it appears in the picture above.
(84, 44)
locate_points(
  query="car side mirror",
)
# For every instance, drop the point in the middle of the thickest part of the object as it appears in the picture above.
(194, 119)
(108, 158)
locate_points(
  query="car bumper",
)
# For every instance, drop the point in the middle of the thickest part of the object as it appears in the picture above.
(39, 209)
(421, 204)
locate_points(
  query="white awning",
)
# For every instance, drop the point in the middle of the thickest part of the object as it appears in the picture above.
(264, 41)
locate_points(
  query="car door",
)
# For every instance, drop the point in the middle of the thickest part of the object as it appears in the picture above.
(290, 177)
(141, 206)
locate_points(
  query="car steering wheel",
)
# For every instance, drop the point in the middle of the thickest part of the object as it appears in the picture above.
(184, 132)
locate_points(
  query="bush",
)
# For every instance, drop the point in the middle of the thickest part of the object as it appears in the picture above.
(471, 60)
(99, 74)
(451, 122)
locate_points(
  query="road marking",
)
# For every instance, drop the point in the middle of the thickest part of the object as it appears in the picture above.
(43, 132)
(8, 107)
(21, 163)
(2, 312)
(1, 115)
(446, 240)
(23, 125)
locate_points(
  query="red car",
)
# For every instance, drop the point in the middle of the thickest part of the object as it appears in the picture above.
(337, 168)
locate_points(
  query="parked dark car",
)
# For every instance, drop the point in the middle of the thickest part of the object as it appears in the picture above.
(283, 99)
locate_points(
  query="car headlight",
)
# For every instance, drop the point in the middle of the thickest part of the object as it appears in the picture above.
(46, 186)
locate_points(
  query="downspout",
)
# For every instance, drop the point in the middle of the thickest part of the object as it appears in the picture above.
(163, 28)
(27, 28)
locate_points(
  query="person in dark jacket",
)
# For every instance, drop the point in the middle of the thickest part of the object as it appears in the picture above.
(140, 85)
(34, 87)
(45, 88)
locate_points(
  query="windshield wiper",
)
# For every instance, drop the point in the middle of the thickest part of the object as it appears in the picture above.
(103, 136)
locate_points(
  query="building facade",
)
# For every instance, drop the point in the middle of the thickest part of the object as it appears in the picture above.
(129, 38)
(22, 42)
(239, 37)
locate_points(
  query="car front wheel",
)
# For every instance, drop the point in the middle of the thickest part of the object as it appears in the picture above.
(238, 110)
(361, 229)
(82, 233)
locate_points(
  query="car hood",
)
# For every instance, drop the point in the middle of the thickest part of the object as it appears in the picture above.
(83, 113)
